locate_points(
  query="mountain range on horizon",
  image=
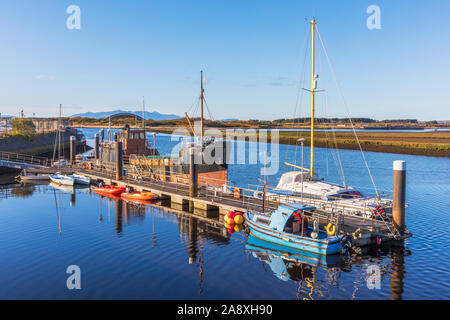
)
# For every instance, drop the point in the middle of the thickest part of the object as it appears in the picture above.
(148, 115)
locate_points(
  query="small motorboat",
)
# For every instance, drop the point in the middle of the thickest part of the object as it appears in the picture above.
(139, 196)
(109, 190)
(81, 179)
(289, 226)
(62, 179)
(34, 177)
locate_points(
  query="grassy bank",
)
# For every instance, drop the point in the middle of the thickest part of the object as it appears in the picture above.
(416, 143)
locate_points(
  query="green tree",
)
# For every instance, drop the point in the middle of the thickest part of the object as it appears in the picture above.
(24, 127)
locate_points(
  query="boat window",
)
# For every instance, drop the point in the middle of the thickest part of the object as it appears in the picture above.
(263, 221)
(347, 195)
(142, 135)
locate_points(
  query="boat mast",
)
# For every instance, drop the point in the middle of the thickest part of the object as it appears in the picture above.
(313, 88)
(59, 134)
(143, 114)
(201, 107)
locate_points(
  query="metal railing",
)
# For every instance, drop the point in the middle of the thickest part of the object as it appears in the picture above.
(25, 159)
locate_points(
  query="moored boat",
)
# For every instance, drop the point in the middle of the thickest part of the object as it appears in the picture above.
(62, 179)
(110, 190)
(289, 226)
(79, 179)
(139, 196)
(34, 177)
(305, 185)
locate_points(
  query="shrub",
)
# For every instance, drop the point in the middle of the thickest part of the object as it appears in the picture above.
(24, 127)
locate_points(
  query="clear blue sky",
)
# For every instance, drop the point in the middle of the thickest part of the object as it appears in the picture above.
(251, 52)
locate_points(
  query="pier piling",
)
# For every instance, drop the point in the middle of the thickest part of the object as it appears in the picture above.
(96, 146)
(119, 162)
(193, 185)
(73, 149)
(398, 197)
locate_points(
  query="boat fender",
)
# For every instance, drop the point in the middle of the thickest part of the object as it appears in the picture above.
(315, 226)
(331, 229)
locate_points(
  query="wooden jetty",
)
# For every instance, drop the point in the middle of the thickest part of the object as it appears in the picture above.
(214, 203)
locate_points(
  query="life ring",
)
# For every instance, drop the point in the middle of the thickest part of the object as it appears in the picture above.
(331, 229)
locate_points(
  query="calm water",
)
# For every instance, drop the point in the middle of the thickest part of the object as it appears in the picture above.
(127, 251)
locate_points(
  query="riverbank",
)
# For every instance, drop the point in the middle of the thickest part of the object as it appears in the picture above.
(435, 143)
(39, 145)
(424, 143)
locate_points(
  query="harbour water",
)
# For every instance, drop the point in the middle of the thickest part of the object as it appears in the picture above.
(127, 251)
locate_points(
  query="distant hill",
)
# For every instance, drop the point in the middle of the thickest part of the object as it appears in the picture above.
(148, 115)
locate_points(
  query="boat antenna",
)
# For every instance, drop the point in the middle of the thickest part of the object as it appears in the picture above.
(201, 107)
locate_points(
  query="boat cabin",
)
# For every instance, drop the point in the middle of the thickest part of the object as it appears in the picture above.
(288, 217)
(299, 184)
(134, 141)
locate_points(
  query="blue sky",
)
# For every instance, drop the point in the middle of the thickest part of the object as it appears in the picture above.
(251, 52)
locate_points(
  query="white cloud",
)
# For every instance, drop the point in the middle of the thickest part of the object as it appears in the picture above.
(40, 76)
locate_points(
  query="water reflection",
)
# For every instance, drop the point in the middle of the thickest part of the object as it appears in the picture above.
(315, 274)
(398, 272)
(289, 264)
(185, 239)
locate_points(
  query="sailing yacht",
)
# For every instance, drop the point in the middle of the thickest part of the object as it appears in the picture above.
(305, 186)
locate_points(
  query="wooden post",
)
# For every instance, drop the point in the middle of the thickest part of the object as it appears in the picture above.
(73, 149)
(193, 171)
(398, 197)
(119, 204)
(96, 147)
(72, 199)
(119, 163)
(102, 134)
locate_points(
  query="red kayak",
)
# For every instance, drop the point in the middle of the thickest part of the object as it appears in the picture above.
(111, 190)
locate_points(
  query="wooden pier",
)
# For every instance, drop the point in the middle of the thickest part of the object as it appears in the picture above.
(215, 204)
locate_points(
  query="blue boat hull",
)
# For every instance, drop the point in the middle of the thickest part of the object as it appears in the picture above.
(319, 246)
(305, 257)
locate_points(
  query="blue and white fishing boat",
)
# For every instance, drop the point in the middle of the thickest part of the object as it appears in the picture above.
(79, 179)
(289, 226)
(62, 179)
